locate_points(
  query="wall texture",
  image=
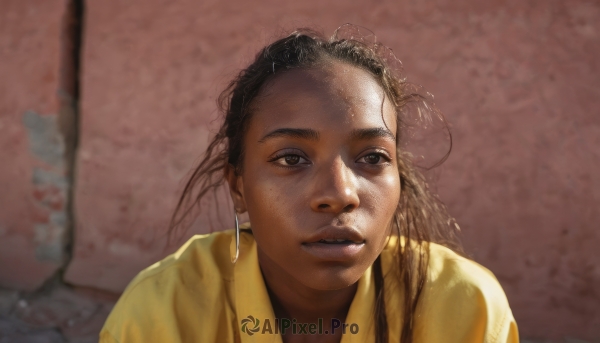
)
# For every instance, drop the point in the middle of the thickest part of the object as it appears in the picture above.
(517, 80)
(35, 113)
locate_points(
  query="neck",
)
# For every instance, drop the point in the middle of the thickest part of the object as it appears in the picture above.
(293, 300)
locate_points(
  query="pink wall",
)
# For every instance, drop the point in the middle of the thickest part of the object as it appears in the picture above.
(34, 181)
(518, 80)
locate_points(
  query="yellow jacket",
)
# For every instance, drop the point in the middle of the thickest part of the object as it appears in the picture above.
(198, 295)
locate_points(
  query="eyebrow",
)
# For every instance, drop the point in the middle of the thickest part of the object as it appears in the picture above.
(308, 134)
(370, 133)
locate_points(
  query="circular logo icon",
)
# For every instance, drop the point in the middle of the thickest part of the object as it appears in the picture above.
(250, 325)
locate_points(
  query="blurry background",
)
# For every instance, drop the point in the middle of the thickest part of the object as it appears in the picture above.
(105, 106)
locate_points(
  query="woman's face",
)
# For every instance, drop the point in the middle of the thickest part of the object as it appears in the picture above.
(320, 180)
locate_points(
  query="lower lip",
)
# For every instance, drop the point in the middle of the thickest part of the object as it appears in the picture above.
(333, 252)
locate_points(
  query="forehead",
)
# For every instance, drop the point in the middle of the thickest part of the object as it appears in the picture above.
(330, 95)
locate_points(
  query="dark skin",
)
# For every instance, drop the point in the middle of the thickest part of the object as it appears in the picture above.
(320, 183)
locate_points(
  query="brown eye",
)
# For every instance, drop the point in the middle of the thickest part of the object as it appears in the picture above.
(292, 159)
(288, 158)
(372, 158)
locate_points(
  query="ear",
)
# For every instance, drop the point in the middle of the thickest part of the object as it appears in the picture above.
(236, 188)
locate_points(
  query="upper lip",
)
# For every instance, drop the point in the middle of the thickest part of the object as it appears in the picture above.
(331, 232)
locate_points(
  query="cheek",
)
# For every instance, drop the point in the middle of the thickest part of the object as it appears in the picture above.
(381, 203)
(393, 184)
(265, 193)
(273, 203)
(392, 180)
(276, 210)
(385, 194)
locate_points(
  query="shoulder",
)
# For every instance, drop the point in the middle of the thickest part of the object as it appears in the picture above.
(201, 257)
(449, 268)
(195, 278)
(464, 298)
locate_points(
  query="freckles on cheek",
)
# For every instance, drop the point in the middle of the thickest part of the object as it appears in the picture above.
(267, 195)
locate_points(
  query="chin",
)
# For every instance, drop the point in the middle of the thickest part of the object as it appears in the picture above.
(333, 278)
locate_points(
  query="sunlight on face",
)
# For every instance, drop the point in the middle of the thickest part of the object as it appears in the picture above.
(320, 180)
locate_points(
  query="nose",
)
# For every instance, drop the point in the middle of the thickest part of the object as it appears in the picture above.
(334, 189)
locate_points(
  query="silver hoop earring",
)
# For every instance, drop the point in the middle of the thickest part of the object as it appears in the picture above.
(237, 238)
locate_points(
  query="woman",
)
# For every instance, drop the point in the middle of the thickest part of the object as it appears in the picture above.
(345, 242)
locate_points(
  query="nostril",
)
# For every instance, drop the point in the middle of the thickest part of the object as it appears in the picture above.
(323, 206)
(349, 208)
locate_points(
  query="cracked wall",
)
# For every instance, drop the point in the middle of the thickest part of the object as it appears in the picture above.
(36, 137)
(51, 186)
